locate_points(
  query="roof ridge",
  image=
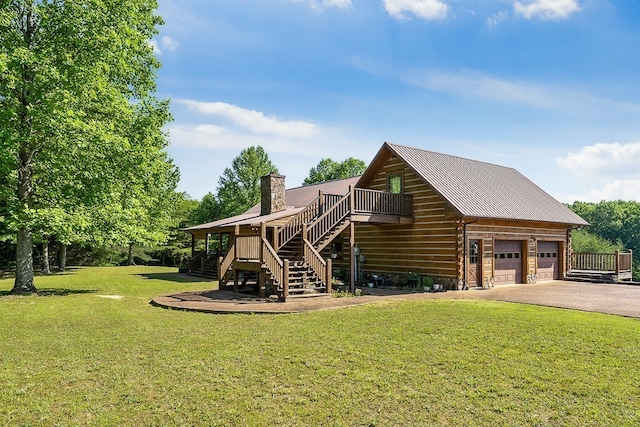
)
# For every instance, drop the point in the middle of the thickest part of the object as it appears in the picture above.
(391, 144)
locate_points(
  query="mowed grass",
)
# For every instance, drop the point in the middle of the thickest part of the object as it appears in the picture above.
(73, 357)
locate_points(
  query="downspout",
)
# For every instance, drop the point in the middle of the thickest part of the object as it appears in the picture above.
(465, 285)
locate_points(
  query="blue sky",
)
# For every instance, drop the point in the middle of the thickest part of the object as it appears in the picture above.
(549, 87)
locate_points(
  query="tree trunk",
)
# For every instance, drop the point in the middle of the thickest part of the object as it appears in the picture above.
(24, 264)
(131, 254)
(45, 257)
(62, 261)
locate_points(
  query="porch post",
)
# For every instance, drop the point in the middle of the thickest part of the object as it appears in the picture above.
(352, 257)
(285, 280)
(329, 275)
(206, 244)
(193, 245)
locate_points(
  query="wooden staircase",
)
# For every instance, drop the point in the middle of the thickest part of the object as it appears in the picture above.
(303, 279)
(292, 262)
(203, 265)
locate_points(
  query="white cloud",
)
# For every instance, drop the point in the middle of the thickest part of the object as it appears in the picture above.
(625, 189)
(255, 121)
(321, 4)
(425, 9)
(497, 18)
(169, 43)
(477, 84)
(166, 43)
(154, 45)
(547, 9)
(604, 160)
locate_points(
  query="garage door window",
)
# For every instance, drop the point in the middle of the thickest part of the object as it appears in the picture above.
(507, 255)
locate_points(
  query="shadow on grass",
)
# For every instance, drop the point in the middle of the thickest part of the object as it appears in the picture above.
(174, 277)
(51, 292)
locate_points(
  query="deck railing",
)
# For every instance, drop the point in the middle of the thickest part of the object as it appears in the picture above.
(382, 203)
(603, 262)
(248, 248)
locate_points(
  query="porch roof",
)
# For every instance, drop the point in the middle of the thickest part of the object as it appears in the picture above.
(296, 199)
(251, 219)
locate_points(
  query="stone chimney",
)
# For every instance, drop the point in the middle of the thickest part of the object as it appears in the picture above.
(272, 197)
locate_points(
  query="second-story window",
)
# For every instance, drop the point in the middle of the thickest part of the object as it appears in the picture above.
(394, 184)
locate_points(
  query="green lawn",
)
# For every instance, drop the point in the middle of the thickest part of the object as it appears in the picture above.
(74, 357)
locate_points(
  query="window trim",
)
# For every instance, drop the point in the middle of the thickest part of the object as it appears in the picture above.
(401, 181)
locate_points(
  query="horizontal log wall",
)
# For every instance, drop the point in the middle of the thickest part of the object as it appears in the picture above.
(427, 247)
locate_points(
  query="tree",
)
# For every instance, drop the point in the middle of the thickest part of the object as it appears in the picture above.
(207, 210)
(73, 74)
(584, 241)
(239, 185)
(328, 169)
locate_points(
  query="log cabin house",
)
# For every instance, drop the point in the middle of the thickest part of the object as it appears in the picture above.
(462, 222)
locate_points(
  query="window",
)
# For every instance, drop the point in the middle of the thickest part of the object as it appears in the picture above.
(473, 252)
(395, 184)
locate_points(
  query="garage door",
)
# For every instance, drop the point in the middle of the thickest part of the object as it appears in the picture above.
(508, 261)
(548, 261)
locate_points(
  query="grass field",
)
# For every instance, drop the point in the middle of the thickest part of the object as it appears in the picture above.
(77, 355)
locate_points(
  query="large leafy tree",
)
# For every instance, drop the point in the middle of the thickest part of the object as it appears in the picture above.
(328, 169)
(239, 185)
(76, 80)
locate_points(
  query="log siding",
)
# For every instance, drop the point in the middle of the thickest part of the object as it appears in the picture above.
(427, 247)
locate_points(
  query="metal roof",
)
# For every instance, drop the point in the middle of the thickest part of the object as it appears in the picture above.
(484, 190)
(301, 196)
(296, 200)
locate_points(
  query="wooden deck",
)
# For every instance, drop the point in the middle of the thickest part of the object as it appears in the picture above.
(601, 267)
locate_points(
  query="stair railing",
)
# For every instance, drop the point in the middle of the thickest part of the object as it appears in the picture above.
(195, 262)
(321, 267)
(225, 264)
(328, 220)
(293, 227)
(273, 262)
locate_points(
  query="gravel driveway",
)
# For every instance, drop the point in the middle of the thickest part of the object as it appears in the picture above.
(623, 300)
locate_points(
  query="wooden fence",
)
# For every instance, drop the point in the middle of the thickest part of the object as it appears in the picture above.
(602, 262)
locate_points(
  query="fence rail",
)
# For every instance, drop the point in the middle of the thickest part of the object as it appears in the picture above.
(604, 262)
